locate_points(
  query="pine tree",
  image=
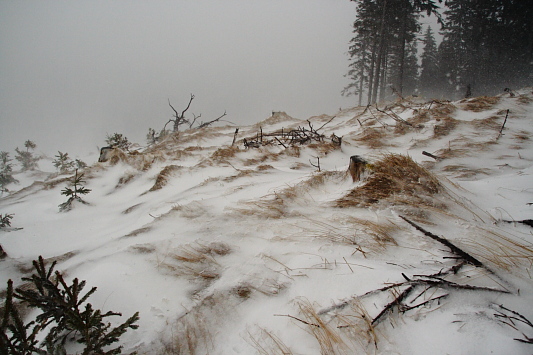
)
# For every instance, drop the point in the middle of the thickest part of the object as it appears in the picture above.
(6, 171)
(488, 45)
(63, 163)
(74, 192)
(26, 158)
(117, 140)
(430, 81)
(386, 29)
(66, 314)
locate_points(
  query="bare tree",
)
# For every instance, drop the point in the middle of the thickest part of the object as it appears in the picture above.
(179, 118)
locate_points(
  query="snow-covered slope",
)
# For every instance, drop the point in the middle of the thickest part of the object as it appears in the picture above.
(228, 250)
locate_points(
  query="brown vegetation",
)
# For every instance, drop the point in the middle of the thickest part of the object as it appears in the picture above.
(395, 179)
(163, 176)
(480, 103)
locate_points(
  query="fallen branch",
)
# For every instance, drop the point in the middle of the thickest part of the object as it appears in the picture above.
(456, 250)
(431, 156)
(395, 302)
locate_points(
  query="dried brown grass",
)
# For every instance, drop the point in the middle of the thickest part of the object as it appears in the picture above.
(393, 177)
(492, 123)
(126, 178)
(442, 110)
(362, 234)
(464, 172)
(268, 343)
(324, 148)
(163, 176)
(445, 126)
(277, 204)
(372, 137)
(500, 250)
(328, 336)
(525, 99)
(196, 261)
(480, 103)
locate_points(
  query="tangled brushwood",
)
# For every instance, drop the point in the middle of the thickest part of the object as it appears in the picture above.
(61, 315)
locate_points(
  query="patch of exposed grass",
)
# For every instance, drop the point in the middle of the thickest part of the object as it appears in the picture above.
(445, 126)
(372, 137)
(362, 234)
(276, 205)
(392, 177)
(480, 103)
(163, 176)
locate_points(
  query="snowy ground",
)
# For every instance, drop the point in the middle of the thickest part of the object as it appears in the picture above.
(242, 251)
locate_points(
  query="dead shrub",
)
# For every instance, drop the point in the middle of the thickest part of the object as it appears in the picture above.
(163, 176)
(392, 176)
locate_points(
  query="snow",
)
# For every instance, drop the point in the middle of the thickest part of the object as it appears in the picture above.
(235, 249)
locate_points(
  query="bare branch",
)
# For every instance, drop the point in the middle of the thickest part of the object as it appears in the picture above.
(189, 105)
(205, 124)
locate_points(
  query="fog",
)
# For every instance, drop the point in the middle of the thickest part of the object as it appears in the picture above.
(73, 71)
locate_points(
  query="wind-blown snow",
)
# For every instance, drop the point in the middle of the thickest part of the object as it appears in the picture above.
(245, 251)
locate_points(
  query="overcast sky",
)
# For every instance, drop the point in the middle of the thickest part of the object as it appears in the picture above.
(72, 71)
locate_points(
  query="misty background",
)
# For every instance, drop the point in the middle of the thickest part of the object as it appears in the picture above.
(73, 71)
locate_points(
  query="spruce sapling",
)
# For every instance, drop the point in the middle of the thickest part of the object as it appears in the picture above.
(61, 306)
(26, 158)
(6, 171)
(117, 140)
(74, 192)
(5, 220)
(63, 162)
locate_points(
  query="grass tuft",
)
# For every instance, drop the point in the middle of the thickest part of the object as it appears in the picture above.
(394, 179)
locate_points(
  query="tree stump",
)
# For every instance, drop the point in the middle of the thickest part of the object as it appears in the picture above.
(357, 167)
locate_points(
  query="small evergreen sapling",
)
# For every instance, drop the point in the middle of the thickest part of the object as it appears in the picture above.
(6, 171)
(73, 192)
(63, 163)
(61, 305)
(117, 140)
(5, 220)
(26, 158)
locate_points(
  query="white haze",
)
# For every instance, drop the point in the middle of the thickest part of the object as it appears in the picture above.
(72, 71)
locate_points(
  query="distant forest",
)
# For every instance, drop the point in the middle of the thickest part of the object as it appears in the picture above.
(487, 46)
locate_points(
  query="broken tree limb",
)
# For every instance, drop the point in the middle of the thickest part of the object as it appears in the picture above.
(503, 125)
(431, 156)
(395, 302)
(456, 250)
(235, 136)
